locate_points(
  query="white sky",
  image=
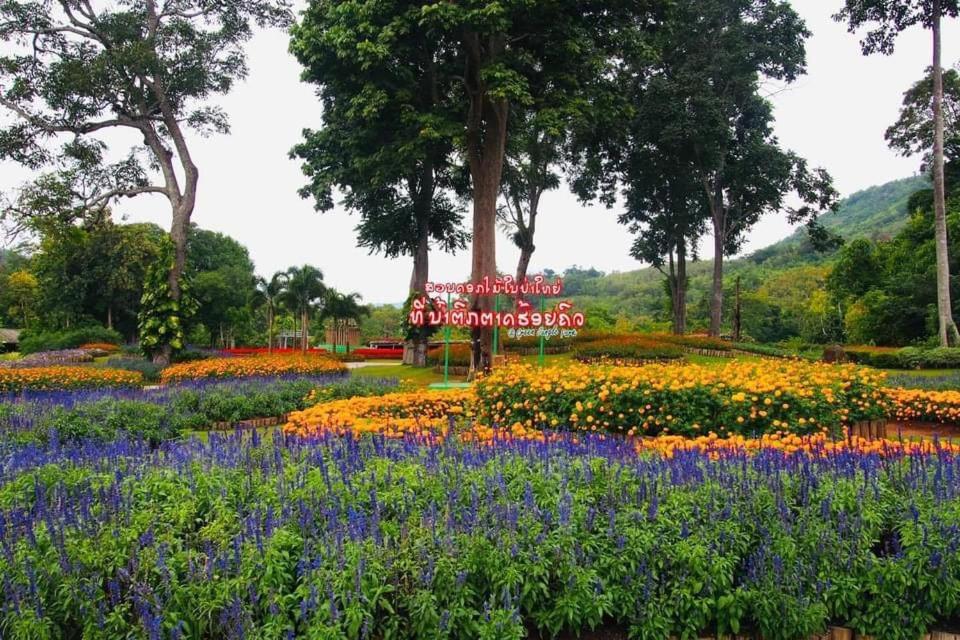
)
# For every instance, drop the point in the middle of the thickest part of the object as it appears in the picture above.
(834, 116)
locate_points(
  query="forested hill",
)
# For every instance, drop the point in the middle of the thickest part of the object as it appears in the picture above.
(876, 212)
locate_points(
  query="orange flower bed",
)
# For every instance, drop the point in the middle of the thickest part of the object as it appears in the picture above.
(393, 415)
(99, 346)
(916, 405)
(57, 378)
(818, 444)
(252, 366)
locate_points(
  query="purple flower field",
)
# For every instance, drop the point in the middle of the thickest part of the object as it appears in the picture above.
(239, 537)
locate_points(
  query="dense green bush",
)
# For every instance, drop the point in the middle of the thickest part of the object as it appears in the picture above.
(905, 358)
(459, 356)
(150, 371)
(105, 420)
(627, 348)
(167, 413)
(31, 342)
(770, 350)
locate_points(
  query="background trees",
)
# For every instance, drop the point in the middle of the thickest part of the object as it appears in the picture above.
(885, 21)
(72, 70)
(304, 293)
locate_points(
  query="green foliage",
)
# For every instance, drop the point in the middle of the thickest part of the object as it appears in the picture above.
(626, 349)
(222, 281)
(162, 318)
(32, 342)
(913, 132)
(149, 370)
(906, 358)
(105, 420)
(460, 355)
(714, 547)
(174, 412)
(383, 321)
(389, 120)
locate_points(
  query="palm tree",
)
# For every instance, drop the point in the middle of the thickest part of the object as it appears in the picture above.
(303, 293)
(342, 307)
(269, 294)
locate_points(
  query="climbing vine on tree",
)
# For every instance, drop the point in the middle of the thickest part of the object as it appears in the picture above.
(162, 316)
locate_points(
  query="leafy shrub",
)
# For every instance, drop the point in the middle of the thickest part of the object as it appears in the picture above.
(695, 342)
(772, 351)
(166, 413)
(936, 358)
(905, 358)
(880, 357)
(626, 348)
(192, 354)
(460, 355)
(31, 342)
(149, 370)
(106, 420)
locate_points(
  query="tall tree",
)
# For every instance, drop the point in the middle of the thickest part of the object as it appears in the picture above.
(72, 70)
(503, 51)
(533, 151)
(649, 153)
(716, 53)
(885, 21)
(698, 140)
(389, 118)
(304, 293)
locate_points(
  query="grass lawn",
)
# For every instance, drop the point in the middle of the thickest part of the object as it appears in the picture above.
(418, 376)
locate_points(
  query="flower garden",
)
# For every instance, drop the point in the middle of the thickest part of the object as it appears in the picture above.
(631, 499)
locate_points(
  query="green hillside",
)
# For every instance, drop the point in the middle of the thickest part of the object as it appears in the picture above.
(877, 212)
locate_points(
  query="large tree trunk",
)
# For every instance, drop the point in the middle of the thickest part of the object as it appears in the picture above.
(484, 264)
(680, 324)
(716, 292)
(304, 333)
(947, 329)
(421, 270)
(486, 138)
(526, 252)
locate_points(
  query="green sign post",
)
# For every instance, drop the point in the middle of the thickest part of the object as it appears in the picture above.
(446, 384)
(542, 337)
(446, 349)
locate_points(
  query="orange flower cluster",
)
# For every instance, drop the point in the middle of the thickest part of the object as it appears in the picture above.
(99, 346)
(683, 399)
(61, 377)
(816, 445)
(420, 413)
(917, 405)
(245, 367)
